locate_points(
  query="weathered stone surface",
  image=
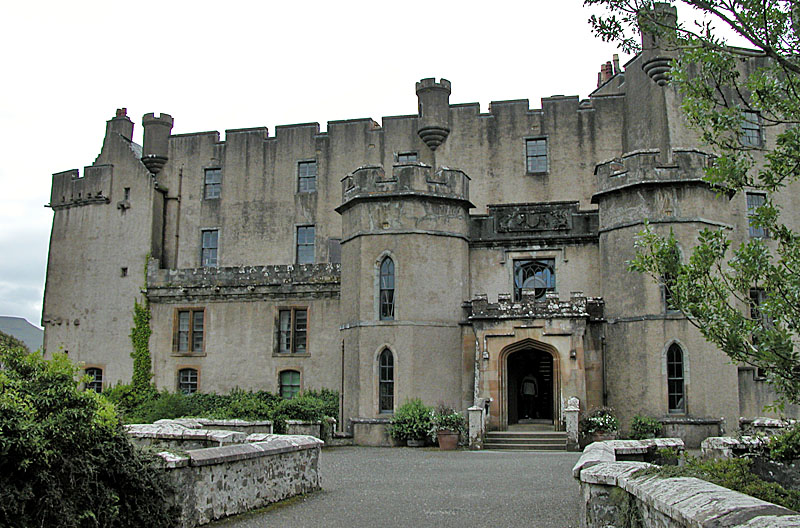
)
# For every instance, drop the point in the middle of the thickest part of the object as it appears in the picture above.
(548, 307)
(593, 454)
(726, 446)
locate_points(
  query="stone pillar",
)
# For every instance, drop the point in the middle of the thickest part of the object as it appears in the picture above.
(476, 427)
(571, 411)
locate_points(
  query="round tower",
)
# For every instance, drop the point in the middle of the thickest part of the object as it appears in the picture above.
(434, 111)
(156, 141)
(405, 273)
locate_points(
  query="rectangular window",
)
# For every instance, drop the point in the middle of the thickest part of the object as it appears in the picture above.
(208, 255)
(305, 245)
(306, 176)
(290, 384)
(535, 277)
(750, 129)
(95, 382)
(213, 184)
(189, 330)
(292, 331)
(407, 157)
(187, 380)
(536, 155)
(754, 201)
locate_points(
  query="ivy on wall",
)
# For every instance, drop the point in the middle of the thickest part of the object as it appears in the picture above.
(140, 337)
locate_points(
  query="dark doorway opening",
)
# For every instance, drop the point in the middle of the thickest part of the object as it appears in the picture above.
(530, 387)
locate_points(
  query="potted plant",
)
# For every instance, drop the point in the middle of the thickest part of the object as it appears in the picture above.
(447, 426)
(411, 423)
(645, 427)
(600, 424)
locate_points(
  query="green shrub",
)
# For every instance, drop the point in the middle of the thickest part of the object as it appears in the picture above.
(330, 398)
(446, 418)
(64, 458)
(785, 446)
(733, 473)
(301, 407)
(412, 421)
(645, 427)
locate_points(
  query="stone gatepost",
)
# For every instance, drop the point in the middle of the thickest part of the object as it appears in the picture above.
(476, 426)
(571, 411)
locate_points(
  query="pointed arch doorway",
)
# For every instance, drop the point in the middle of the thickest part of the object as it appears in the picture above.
(530, 384)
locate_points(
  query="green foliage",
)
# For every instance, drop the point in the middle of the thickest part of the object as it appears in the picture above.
(645, 427)
(140, 337)
(64, 458)
(446, 418)
(411, 421)
(719, 93)
(600, 420)
(9, 341)
(785, 446)
(733, 473)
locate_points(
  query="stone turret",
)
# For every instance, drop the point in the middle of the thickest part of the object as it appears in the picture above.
(434, 111)
(658, 26)
(156, 141)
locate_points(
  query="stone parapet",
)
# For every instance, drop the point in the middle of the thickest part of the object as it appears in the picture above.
(578, 306)
(174, 435)
(728, 447)
(243, 426)
(243, 282)
(406, 179)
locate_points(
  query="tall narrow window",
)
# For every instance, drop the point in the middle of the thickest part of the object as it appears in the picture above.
(536, 155)
(208, 255)
(292, 331)
(306, 176)
(213, 184)
(669, 282)
(289, 384)
(387, 289)
(95, 382)
(676, 397)
(386, 382)
(754, 201)
(189, 330)
(538, 276)
(187, 380)
(305, 245)
(750, 129)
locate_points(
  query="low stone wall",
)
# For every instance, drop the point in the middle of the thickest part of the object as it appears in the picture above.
(372, 432)
(727, 447)
(769, 426)
(217, 482)
(692, 430)
(299, 427)
(612, 496)
(177, 436)
(242, 426)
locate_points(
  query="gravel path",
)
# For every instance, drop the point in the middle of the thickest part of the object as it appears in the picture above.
(364, 486)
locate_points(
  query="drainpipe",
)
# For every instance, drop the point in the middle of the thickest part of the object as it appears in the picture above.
(603, 356)
(341, 392)
(477, 381)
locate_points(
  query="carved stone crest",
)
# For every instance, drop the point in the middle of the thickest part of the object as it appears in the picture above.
(533, 219)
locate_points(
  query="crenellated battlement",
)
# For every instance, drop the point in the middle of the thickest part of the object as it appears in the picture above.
(431, 84)
(645, 167)
(70, 189)
(372, 182)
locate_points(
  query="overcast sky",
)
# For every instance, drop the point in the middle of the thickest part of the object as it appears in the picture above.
(216, 65)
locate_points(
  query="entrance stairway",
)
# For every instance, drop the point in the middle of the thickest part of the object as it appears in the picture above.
(526, 440)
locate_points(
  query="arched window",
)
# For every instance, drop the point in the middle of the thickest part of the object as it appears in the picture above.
(95, 382)
(386, 382)
(187, 380)
(289, 384)
(387, 289)
(676, 396)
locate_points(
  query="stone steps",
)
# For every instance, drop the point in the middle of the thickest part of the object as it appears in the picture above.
(526, 441)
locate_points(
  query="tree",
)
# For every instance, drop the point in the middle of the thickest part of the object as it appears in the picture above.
(10, 341)
(744, 298)
(64, 458)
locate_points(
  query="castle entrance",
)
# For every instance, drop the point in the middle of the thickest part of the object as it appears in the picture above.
(530, 387)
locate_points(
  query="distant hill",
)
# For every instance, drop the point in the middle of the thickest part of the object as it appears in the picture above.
(31, 335)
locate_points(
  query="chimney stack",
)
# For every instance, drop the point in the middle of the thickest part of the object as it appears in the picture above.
(120, 124)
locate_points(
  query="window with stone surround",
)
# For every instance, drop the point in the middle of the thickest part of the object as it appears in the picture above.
(95, 382)
(292, 331)
(289, 383)
(407, 157)
(750, 133)
(306, 176)
(536, 155)
(387, 289)
(187, 380)
(189, 328)
(754, 201)
(213, 184)
(210, 245)
(305, 244)
(386, 382)
(676, 397)
(536, 275)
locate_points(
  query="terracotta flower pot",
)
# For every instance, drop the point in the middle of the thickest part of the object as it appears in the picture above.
(448, 440)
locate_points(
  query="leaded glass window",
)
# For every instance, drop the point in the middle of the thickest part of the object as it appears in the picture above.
(387, 289)
(538, 276)
(386, 382)
(187, 380)
(675, 380)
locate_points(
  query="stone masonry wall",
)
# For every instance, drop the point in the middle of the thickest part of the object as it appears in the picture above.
(221, 481)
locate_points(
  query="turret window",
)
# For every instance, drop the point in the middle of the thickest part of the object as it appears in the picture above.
(386, 382)
(387, 289)
(676, 396)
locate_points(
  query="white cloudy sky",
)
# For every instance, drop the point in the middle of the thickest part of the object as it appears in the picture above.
(215, 65)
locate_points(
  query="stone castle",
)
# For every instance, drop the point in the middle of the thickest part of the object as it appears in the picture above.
(466, 258)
